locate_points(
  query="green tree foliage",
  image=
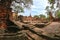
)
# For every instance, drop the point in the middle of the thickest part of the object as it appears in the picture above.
(47, 9)
(18, 6)
(36, 16)
(51, 1)
(51, 8)
(18, 9)
(54, 2)
(22, 3)
(42, 16)
(58, 14)
(57, 2)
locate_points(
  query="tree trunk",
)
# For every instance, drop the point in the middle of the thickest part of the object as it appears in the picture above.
(5, 12)
(4, 16)
(51, 17)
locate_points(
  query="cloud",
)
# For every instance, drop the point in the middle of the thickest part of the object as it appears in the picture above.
(37, 8)
(33, 6)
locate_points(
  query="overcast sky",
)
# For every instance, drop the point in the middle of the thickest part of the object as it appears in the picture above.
(37, 8)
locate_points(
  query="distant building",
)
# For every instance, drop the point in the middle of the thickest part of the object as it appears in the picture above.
(30, 19)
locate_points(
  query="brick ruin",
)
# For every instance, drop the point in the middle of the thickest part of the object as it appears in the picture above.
(30, 19)
(5, 12)
(4, 16)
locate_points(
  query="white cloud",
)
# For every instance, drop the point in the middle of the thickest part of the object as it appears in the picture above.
(38, 7)
(33, 6)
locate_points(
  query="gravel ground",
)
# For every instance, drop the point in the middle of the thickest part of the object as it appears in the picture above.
(52, 29)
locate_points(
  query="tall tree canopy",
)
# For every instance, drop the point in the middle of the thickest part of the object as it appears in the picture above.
(6, 9)
(55, 2)
(36, 16)
(8, 3)
(58, 14)
(54, 6)
(42, 16)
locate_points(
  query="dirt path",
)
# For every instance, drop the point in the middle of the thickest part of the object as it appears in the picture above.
(52, 29)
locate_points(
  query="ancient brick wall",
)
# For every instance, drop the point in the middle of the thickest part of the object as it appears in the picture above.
(4, 15)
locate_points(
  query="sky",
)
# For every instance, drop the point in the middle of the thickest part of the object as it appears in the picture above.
(37, 8)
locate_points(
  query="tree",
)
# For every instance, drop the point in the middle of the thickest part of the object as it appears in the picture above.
(57, 2)
(54, 2)
(42, 16)
(51, 9)
(47, 9)
(36, 16)
(17, 9)
(8, 3)
(6, 9)
(58, 14)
